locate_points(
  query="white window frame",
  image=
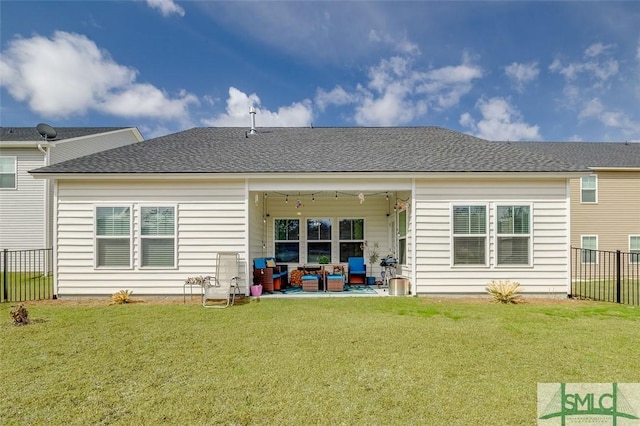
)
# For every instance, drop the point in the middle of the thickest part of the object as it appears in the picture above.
(484, 235)
(299, 240)
(309, 241)
(15, 173)
(595, 176)
(402, 240)
(355, 241)
(582, 237)
(144, 237)
(498, 235)
(97, 237)
(635, 252)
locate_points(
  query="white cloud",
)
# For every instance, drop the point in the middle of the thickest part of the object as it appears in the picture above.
(145, 100)
(390, 109)
(445, 86)
(166, 7)
(500, 121)
(400, 44)
(597, 49)
(69, 75)
(522, 74)
(397, 94)
(337, 96)
(599, 68)
(298, 114)
(594, 109)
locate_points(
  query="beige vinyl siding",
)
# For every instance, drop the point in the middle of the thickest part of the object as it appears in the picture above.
(211, 217)
(550, 234)
(22, 220)
(78, 147)
(614, 217)
(257, 227)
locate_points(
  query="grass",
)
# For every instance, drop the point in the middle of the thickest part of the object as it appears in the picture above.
(605, 290)
(26, 286)
(313, 361)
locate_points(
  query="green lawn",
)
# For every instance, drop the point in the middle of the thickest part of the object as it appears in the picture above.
(314, 361)
(605, 290)
(26, 286)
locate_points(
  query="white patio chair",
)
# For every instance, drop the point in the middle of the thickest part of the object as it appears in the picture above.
(223, 285)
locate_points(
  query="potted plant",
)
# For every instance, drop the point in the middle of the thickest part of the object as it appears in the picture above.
(373, 254)
(324, 259)
(256, 287)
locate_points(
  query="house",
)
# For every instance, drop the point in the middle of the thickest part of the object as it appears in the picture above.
(457, 211)
(605, 205)
(26, 203)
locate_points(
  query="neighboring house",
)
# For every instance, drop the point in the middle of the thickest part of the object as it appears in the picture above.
(26, 203)
(605, 205)
(456, 210)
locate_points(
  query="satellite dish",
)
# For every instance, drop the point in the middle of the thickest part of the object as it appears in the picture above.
(46, 131)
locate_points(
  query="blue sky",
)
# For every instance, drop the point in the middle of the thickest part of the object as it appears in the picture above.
(499, 70)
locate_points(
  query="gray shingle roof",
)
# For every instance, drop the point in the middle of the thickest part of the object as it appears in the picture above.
(591, 154)
(30, 134)
(297, 150)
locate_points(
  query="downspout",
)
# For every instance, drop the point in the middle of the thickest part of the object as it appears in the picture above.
(47, 203)
(414, 243)
(569, 235)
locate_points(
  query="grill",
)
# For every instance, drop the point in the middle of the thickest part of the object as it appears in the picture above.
(389, 261)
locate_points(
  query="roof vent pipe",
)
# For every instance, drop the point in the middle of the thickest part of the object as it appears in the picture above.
(252, 112)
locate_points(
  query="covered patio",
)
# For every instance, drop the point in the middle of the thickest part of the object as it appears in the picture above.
(307, 228)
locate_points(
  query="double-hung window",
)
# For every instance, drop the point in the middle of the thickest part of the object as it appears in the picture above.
(589, 189)
(113, 237)
(589, 245)
(634, 249)
(7, 172)
(158, 237)
(318, 239)
(469, 235)
(402, 237)
(287, 240)
(514, 235)
(351, 238)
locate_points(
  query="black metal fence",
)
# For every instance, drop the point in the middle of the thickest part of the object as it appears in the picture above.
(26, 275)
(609, 276)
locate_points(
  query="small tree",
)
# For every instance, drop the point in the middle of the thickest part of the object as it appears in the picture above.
(372, 253)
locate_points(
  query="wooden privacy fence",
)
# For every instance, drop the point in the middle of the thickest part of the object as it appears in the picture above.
(608, 276)
(26, 275)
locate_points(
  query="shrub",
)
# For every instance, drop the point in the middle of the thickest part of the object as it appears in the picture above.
(505, 291)
(20, 315)
(122, 297)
